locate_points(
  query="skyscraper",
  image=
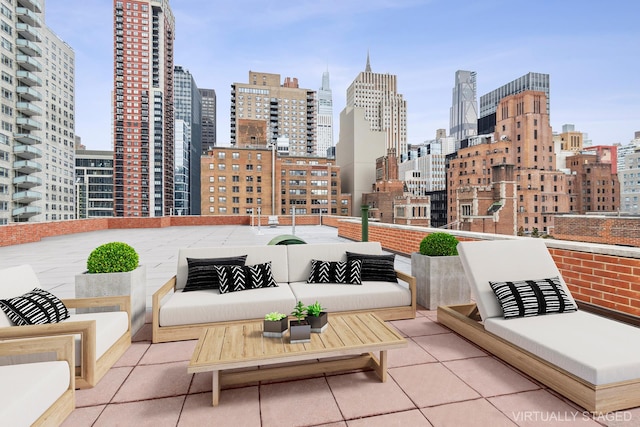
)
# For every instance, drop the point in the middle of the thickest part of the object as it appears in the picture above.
(209, 123)
(325, 117)
(143, 108)
(188, 108)
(263, 111)
(384, 107)
(463, 121)
(37, 135)
(489, 102)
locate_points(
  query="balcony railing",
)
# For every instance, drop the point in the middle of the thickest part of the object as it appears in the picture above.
(29, 124)
(27, 138)
(26, 181)
(28, 93)
(28, 16)
(28, 109)
(26, 196)
(27, 78)
(26, 212)
(27, 152)
(28, 63)
(28, 47)
(33, 5)
(27, 166)
(28, 32)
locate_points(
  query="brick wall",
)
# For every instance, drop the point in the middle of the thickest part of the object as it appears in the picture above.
(603, 275)
(598, 229)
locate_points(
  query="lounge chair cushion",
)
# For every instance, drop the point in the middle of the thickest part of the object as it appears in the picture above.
(591, 347)
(524, 298)
(37, 307)
(235, 278)
(347, 272)
(202, 275)
(110, 326)
(30, 389)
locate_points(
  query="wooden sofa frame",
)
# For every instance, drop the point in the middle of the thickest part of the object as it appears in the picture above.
(90, 370)
(190, 332)
(64, 348)
(465, 321)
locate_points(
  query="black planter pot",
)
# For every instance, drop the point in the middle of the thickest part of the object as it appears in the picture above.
(275, 328)
(318, 323)
(299, 331)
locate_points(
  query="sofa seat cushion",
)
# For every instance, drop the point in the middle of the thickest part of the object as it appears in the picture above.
(581, 343)
(210, 306)
(110, 326)
(341, 297)
(30, 389)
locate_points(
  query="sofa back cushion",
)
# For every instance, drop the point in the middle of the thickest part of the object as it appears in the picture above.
(16, 281)
(505, 260)
(277, 254)
(300, 256)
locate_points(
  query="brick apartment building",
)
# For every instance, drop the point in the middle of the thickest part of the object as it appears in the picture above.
(596, 188)
(241, 180)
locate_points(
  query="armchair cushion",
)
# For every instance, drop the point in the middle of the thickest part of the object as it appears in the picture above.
(34, 308)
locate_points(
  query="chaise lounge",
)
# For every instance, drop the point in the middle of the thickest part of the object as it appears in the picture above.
(531, 321)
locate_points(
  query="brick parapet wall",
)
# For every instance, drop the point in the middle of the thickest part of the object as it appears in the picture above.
(603, 275)
(598, 229)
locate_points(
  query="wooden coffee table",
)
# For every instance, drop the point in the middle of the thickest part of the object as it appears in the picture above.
(241, 345)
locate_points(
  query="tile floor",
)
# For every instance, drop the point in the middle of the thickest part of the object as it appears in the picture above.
(440, 379)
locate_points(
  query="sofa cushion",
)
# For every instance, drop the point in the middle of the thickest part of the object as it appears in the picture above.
(377, 268)
(202, 275)
(189, 308)
(235, 278)
(583, 344)
(523, 298)
(300, 256)
(348, 272)
(36, 307)
(277, 254)
(337, 297)
(34, 387)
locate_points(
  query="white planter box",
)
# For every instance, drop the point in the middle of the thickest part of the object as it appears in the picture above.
(439, 281)
(132, 283)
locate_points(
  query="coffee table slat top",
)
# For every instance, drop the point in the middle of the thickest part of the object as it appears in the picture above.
(242, 344)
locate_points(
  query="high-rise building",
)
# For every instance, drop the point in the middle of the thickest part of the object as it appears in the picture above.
(188, 108)
(489, 102)
(94, 183)
(325, 117)
(569, 139)
(209, 123)
(37, 136)
(384, 107)
(463, 120)
(263, 110)
(143, 116)
(628, 173)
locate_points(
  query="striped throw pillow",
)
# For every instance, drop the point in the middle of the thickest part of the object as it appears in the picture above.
(524, 298)
(202, 275)
(37, 307)
(376, 268)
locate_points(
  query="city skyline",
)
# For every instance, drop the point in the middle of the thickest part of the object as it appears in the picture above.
(589, 50)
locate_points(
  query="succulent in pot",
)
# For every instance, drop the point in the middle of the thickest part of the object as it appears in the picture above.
(299, 329)
(275, 324)
(317, 317)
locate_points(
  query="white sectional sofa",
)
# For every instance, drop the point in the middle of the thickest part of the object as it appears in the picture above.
(589, 359)
(42, 393)
(179, 315)
(101, 338)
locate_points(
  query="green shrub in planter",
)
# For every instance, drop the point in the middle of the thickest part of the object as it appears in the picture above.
(113, 257)
(439, 244)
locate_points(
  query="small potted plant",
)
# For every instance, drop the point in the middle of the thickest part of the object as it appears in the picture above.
(299, 329)
(317, 317)
(440, 278)
(275, 324)
(113, 269)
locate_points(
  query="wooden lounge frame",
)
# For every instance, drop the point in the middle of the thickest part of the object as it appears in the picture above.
(465, 321)
(91, 370)
(64, 348)
(193, 331)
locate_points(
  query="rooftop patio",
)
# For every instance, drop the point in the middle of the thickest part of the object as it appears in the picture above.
(440, 379)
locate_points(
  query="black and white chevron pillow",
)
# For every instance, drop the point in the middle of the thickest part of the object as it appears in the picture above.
(524, 298)
(235, 278)
(37, 307)
(348, 272)
(202, 276)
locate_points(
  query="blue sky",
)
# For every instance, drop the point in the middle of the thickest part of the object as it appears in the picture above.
(590, 48)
